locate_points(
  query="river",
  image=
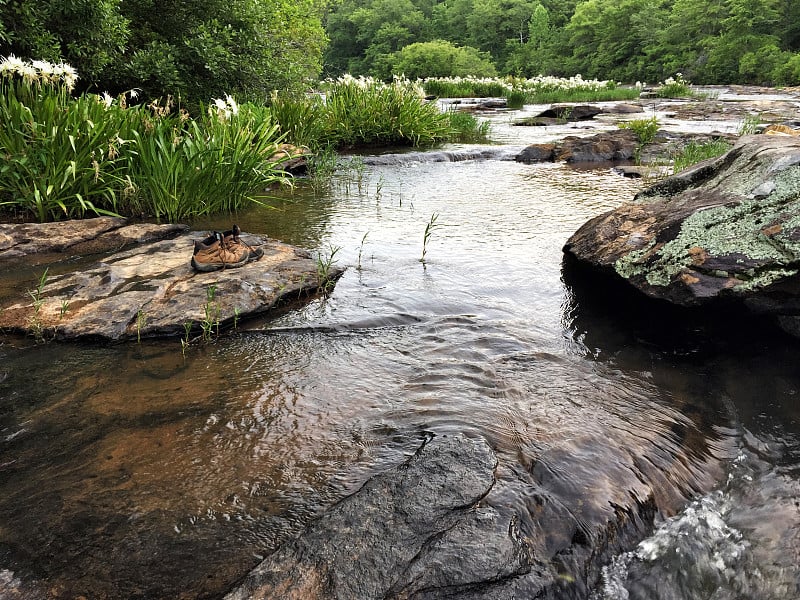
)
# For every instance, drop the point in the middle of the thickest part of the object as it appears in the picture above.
(141, 471)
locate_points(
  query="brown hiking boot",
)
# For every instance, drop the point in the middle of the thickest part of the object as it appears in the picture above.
(233, 242)
(212, 254)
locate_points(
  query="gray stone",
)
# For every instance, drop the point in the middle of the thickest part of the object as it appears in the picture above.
(608, 146)
(418, 530)
(83, 236)
(727, 229)
(624, 109)
(151, 289)
(618, 145)
(537, 153)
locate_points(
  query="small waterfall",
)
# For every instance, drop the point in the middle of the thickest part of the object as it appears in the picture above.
(455, 155)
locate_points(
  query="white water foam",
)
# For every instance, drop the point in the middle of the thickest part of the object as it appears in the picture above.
(698, 549)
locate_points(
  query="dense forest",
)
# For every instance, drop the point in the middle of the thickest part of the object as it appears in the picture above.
(718, 41)
(199, 49)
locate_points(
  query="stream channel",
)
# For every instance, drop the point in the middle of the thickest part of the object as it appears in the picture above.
(135, 471)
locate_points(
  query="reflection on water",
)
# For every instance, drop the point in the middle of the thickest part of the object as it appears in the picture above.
(133, 471)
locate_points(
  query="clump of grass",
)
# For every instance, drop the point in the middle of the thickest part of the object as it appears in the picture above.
(141, 322)
(645, 129)
(467, 128)
(536, 90)
(695, 152)
(515, 98)
(364, 111)
(211, 312)
(300, 118)
(750, 124)
(35, 325)
(68, 157)
(360, 250)
(466, 87)
(325, 264)
(217, 163)
(61, 155)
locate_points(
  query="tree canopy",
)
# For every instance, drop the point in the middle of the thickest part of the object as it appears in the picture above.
(195, 49)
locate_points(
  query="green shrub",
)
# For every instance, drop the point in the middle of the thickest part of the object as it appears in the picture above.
(645, 129)
(439, 58)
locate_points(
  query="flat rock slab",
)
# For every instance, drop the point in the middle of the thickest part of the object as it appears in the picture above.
(86, 236)
(151, 290)
(415, 531)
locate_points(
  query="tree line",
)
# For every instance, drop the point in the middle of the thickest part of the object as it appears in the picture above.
(189, 49)
(716, 41)
(199, 49)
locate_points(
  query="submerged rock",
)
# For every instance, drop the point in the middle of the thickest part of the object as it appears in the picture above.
(727, 229)
(417, 530)
(437, 526)
(151, 289)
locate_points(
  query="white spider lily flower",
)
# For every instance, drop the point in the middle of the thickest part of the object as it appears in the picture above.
(106, 99)
(12, 64)
(234, 108)
(28, 73)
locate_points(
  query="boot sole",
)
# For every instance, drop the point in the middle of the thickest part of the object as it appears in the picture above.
(208, 267)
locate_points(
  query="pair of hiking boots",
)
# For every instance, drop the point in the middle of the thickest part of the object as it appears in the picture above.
(223, 250)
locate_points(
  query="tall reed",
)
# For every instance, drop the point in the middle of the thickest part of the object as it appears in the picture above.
(68, 157)
(62, 157)
(218, 163)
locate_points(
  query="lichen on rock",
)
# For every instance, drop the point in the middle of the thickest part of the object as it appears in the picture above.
(727, 228)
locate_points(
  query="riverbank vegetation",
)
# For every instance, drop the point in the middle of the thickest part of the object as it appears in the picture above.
(535, 90)
(68, 157)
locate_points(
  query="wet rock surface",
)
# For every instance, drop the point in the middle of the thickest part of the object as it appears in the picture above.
(436, 526)
(149, 289)
(725, 230)
(416, 531)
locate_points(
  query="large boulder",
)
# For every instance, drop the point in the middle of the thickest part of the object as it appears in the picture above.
(561, 113)
(725, 231)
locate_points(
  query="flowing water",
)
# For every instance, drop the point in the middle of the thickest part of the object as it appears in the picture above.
(135, 471)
